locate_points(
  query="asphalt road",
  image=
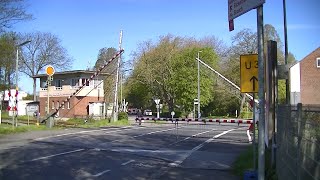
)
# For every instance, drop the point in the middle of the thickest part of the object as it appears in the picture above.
(150, 151)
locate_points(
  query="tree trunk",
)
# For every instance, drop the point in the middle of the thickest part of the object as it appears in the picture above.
(35, 89)
(242, 103)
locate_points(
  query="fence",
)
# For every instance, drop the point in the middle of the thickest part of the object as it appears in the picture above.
(298, 142)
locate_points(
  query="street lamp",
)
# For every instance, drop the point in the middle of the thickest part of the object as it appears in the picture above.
(17, 60)
(17, 87)
(199, 115)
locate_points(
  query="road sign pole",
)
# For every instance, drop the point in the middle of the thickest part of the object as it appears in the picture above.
(254, 132)
(261, 144)
(48, 80)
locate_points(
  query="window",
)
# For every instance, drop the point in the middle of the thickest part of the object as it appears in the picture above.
(62, 104)
(58, 104)
(58, 83)
(85, 82)
(318, 62)
(68, 105)
(74, 82)
(52, 105)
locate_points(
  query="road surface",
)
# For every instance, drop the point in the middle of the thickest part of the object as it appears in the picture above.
(150, 151)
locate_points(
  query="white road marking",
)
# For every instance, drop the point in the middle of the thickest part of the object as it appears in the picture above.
(80, 132)
(59, 154)
(155, 132)
(125, 163)
(178, 162)
(99, 174)
(190, 137)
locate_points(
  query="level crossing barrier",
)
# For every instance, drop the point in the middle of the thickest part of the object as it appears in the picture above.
(239, 121)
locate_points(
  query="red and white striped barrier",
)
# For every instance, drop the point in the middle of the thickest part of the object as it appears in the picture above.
(239, 121)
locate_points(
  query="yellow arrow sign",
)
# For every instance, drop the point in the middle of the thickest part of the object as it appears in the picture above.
(249, 73)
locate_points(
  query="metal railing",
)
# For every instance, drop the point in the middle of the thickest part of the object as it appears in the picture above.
(298, 142)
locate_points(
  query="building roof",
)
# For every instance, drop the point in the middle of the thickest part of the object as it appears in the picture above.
(33, 102)
(315, 51)
(71, 72)
(306, 57)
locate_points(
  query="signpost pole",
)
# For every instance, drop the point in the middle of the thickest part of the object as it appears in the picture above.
(48, 84)
(254, 132)
(261, 144)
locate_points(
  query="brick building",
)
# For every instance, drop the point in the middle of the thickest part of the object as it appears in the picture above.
(89, 101)
(305, 80)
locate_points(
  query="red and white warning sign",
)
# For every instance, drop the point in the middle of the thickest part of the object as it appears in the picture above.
(13, 101)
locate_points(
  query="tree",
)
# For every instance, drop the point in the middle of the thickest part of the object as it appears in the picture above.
(7, 51)
(184, 77)
(43, 50)
(12, 11)
(168, 69)
(104, 55)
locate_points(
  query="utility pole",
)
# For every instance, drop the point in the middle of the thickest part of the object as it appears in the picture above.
(261, 137)
(115, 103)
(199, 114)
(286, 50)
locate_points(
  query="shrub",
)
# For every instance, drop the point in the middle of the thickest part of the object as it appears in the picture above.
(123, 116)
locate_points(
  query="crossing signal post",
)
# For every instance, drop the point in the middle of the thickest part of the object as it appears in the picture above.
(50, 71)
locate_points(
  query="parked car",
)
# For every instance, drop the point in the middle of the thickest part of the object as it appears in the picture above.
(147, 112)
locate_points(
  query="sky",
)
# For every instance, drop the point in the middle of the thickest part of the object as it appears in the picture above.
(85, 26)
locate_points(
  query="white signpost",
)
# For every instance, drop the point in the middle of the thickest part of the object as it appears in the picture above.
(238, 7)
(157, 101)
(235, 9)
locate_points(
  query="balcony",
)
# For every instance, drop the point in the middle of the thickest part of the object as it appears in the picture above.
(67, 90)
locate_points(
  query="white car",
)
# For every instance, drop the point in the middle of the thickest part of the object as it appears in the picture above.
(147, 112)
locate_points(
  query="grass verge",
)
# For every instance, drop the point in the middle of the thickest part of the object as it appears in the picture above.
(9, 129)
(245, 162)
(91, 123)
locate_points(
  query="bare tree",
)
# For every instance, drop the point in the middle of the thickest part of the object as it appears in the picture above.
(12, 11)
(43, 50)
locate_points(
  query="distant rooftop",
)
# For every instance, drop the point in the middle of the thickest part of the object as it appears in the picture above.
(71, 72)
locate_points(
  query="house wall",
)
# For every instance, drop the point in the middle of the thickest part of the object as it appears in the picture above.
(310, 79)
(78, 106)
(295, 92)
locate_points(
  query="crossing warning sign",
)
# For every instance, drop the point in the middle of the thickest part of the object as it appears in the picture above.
(249, 73)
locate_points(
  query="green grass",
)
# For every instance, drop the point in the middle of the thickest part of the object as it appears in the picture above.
(91, 123)
(103, 123)
(9, 129)
(245, 162)
(5, 115)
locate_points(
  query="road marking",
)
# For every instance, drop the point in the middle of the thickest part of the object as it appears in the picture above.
(80, 132)
(123, 164)
(59, 154)
(155, 132)
(190, 137)
(178, 162)
(99, 174)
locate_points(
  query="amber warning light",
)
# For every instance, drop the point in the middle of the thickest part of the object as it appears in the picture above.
(49, 70)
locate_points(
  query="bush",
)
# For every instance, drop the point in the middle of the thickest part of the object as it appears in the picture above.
(168, 114)
(122, 116)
